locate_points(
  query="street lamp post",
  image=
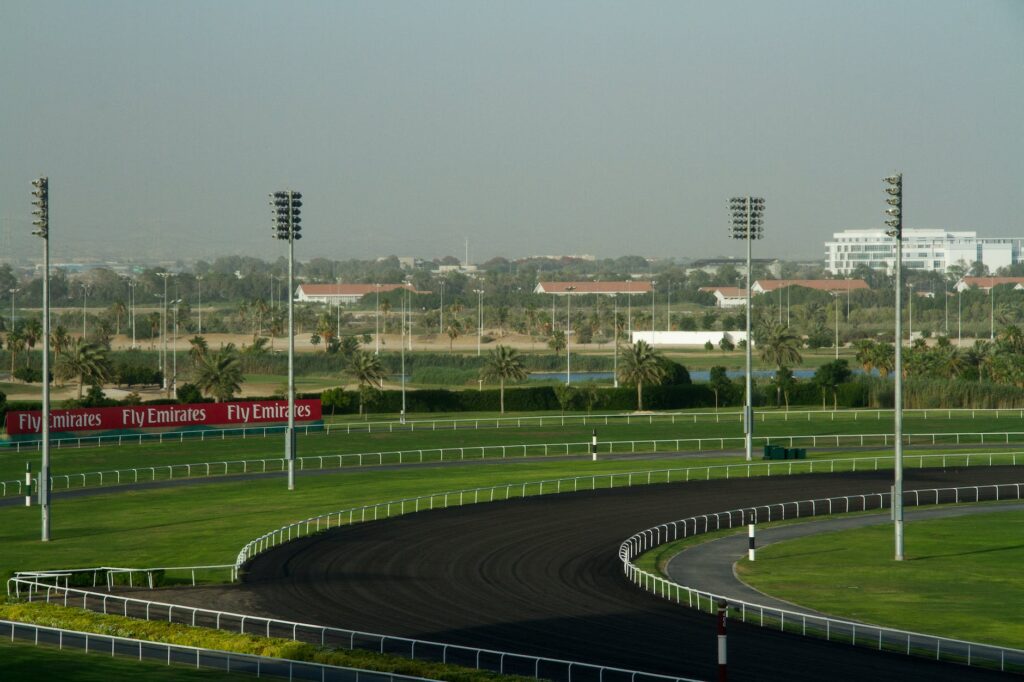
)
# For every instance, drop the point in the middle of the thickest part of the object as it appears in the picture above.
(174, 350)
(85, 298)
(131, 290)
(199, 308)
(615, 332)
(991, 310)
(402, 342)
(668, 309)
(479, 317)
(376, 319)
(653, 282)
(959, 327)
(895, 223)
(41, 192)
(440, 324)
(163, 333)
(287, 226)
(910, 313)
(748, 225)
(568, 330)
(837, 326)
(13, 291)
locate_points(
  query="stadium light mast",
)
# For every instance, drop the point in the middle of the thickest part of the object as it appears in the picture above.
(568, 330)
(41, 201)
(748, 225)
(287, 226)
(895, 222)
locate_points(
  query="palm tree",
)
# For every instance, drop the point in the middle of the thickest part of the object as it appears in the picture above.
(503, 363)
(368, 371)
(15, 344)
(884, 359)
(780, 348)
(866, 352)
(453, 329)
(641, 364)
(385, 308)
(32, 332)
(220, 374)
(85, 361)
(118, 310)
(198, 348)
(556, 341)
(325, 329)
(59, 339)
(154, 321)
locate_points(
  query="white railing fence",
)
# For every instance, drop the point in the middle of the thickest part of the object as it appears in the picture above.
(502, 662)
(166, 472)
(500, 492)
(858, 634)
(194, 657)
(474, 423)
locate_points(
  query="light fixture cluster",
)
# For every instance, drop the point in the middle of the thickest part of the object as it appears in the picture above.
(747, 217)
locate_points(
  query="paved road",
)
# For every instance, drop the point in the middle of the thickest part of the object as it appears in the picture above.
(541, 576)
(708, 566)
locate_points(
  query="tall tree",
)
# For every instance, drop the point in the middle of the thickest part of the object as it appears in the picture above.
(779, 347)
(641, 365)
(220, 374)
(197, 349)
(503, 364)
(367, 370)
(84, 361)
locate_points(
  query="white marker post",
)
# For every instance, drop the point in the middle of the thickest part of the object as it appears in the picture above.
(28, 484)
(751, 542)
(723, 609)
(593, 446)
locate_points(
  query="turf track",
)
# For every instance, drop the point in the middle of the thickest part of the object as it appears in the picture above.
(541, 576)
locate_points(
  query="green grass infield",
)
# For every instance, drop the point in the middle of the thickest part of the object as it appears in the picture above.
(961, 577)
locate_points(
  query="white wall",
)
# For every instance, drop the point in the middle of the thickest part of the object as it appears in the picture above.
(657, 338)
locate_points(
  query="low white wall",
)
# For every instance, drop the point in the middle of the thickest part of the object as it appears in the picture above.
(657, 338)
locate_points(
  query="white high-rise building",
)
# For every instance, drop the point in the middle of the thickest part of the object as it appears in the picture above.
(923, 249)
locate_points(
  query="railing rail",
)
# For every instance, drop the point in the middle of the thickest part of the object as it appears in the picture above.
(166, 472)
(502, 662)
(860, 634)
(197, 657)
(474, 423)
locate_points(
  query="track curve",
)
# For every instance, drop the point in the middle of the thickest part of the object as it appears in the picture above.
(541, 576)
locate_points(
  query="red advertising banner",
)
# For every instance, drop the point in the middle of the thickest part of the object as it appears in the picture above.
(162, 416)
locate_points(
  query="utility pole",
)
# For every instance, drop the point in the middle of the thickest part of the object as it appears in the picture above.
(747, 224)
(895, 223)
(41, 192)
(163, 333)
(287, 226)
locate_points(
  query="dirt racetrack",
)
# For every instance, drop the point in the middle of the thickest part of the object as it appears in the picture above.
(541, 576)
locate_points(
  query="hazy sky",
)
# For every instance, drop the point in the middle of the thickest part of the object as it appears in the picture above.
(531, 127)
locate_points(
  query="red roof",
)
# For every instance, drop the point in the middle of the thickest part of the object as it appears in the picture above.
(989, 282)
(588, 287)
(830, 285)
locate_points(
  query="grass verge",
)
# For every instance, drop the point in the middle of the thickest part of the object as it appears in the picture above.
(51, 615)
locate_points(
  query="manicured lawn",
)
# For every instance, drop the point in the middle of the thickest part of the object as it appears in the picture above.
(961, 578)
(28, 663)
(67, 460)
(208, 524)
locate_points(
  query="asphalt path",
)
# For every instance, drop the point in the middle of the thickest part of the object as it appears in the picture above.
(710, 566)
(541, 576)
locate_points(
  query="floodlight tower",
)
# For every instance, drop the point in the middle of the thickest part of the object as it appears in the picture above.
(287, 226)
(41, 201)
(748, 225)
(894, 189)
